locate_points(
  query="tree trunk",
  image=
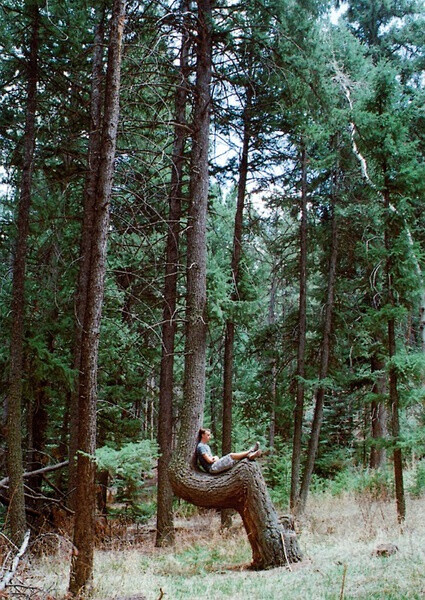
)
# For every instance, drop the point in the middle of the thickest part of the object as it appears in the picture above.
(273, 382)
(378, 454)
(242, 488)
(164, 522)
(235, 264)
(324, 364)
(82, 561)
(393, 389)
(302, 321)
(16, 512)
(85, 244)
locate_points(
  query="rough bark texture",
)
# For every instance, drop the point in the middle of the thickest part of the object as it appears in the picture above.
(82, 563)
(302, 321)
(85, 244)
(164, 523)
(244, 490)
(195, 346)
(378, 454)
(16, 512)
(241, 488)
(324, 364)
(226, 445)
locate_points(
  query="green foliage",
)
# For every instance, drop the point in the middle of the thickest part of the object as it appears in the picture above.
(127, 466)
(277, 474)
(417, 488)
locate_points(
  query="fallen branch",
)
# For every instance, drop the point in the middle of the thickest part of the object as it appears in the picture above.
(9, 575)
(4, 482)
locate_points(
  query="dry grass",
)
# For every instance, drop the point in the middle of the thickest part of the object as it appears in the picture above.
(337, 535)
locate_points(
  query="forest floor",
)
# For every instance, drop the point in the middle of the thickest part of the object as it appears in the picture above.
(338, 536)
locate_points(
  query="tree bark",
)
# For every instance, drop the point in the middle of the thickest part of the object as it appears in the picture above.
(195, 343)
(393, 388)
(273, 382)
(324, 364)
(302, 323)
(164, 523)
(378, 454)
(16, 512)
(226, 444)
(241, 488)
(85, 244)
(82, 562)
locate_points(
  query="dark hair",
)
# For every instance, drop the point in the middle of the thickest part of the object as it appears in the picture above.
(201, 433)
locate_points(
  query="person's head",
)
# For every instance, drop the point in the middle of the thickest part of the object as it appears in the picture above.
(204, 435)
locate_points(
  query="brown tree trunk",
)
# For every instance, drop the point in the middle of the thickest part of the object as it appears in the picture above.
(85, 244)
(16, 512)
(378, 454)
(324, 364)
(273, 383)
(302, 323)
(393, 389)
(226, 443)
(242, 488)
(164, 522)
(82, 561)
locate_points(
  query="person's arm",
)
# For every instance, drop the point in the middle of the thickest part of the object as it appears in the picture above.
(209, 459)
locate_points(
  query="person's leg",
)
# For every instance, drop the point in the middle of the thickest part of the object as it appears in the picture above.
(251, 453)
(223, 464)
(239, 455)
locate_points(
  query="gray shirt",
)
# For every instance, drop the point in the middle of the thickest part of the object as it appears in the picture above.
(202, 449)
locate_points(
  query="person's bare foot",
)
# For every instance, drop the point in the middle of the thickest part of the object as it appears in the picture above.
(256, 454)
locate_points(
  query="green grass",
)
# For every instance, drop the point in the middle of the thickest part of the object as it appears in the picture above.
(336, 534)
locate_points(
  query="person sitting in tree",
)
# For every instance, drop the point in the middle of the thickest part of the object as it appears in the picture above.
(214, 464)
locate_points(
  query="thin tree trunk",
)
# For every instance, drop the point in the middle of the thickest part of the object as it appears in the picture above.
(273, 383)
(85, 244)
(164, 523)
(82, 561)
(226, 444)
(241, 488)
(302, 324)
(393, 389)
(16, 512)
(324, 364)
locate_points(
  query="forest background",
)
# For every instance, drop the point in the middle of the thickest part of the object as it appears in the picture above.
(316, 296)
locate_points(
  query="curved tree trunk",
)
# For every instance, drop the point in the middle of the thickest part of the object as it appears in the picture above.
(82, 561)
(16, 512)
(164, 521)
(242, 488)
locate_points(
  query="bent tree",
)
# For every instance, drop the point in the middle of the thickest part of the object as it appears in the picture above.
(243, 487)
